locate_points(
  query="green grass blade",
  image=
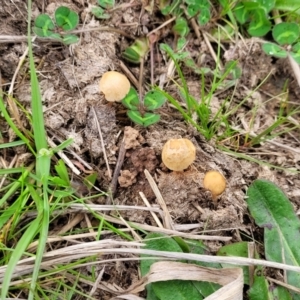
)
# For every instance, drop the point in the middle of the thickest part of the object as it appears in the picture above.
(43, 160)
(16, 185)
(17, 254)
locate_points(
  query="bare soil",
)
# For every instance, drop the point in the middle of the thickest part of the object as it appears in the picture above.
(69, 78)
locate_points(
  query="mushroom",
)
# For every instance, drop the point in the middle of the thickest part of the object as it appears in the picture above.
(178, 154)
(215, 182)
(114, 85)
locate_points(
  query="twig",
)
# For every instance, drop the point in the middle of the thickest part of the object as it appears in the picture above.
(102, 142)
(114, 181)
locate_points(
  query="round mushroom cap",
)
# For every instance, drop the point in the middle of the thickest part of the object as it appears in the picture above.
(215, 182)
(114, 85)
(178, 154)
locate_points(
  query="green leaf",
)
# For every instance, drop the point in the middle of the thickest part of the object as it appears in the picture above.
(181, 43)
(65, 18)
(237, 249)
(44, 21)
(192, 10)
(181, 27)
(90, 180)
(296, 47)
(259, 289)
(137, 51)
(204, 16)
(274, 50)
(296, 52)
(281, 293)
(62, 171)
(176, 290)
(106, 3)
(159, 242)
(241, 13)
(100, 13)
(145, 120)
(286, 33)
(273, 211)
(296, 56)
(154, 100)
(69, 39)
(259, 25)
(171, 289)
(267, 5)
(43, 26)
(131, 100)
(203, 287)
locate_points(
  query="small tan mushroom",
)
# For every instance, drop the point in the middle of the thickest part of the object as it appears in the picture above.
(114, 85)
(215, 182)
(178, 154)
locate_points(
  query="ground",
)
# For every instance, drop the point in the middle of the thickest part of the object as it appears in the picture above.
(69, 81)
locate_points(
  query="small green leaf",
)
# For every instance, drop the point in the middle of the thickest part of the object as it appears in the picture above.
(267, 5)
(204, 16)
(296, 52)
(145, 120)
(241, 13)
(131, 100)
(65, 18)
(295, 56)
(153, 100)
(192, 10)
(260, 25)
(296, 47)
(99, 13)
(137, 51)
(44, 21)
(181, 43)
(274, 50)
(286, 33)
(106, 3)
(260, 288)
(43, 25)
(181, 27)
(62, 171)
(69, 39)
(90, 180)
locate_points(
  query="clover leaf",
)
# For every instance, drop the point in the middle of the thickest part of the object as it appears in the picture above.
(154, 100)
(274, 50)
(286, 33)
(139, 113)
(145, 120)
(131, 100)
(64, 18)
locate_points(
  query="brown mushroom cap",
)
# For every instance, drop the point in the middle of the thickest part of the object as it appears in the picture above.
(178, 154)
(215, 182)
(114, 85)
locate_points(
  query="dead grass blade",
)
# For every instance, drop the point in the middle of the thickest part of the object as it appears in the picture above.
(230, 278)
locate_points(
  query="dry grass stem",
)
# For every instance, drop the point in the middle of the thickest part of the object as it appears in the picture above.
(159, 224)
(167, 220)
(67, 161)
(102, 144)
